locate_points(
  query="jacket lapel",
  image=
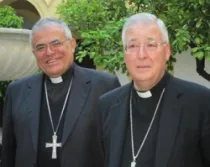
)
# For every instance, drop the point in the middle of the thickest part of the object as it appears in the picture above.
(79, 93)
(169, 124)
(119, 124)
(33, 106)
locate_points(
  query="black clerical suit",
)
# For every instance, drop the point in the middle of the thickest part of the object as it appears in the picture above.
(179, 137)
(21, 128)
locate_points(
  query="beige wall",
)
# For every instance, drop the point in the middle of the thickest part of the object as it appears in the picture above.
(45, 7)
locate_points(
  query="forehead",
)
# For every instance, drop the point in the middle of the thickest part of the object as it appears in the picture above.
(140, 32)
(48, 33)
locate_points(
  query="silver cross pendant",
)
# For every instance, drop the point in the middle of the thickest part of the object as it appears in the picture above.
(133, 163)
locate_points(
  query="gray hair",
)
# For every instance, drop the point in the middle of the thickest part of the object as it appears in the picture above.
(46, 21)
(145, 18)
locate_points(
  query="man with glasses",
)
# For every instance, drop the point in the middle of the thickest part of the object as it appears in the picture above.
(49, 118)
(157, 120)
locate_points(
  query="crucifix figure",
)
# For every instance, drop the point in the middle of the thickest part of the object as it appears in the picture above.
(54, 146)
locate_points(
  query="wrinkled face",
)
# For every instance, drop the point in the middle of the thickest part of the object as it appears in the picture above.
(53, 51)
(146, 53)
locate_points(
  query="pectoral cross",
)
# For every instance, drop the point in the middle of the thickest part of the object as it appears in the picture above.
(54, 146)
(133, 163)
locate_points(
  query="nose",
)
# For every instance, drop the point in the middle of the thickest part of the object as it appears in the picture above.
(142, 53)
(49, 50)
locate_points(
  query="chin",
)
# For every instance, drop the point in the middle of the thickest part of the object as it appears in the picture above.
(143, 77)
(54, 73)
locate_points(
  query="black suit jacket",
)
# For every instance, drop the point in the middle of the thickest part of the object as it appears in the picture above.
(183, 139)
(79, 141)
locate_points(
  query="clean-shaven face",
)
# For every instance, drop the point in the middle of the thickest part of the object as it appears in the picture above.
(53, 51)
(147, 63)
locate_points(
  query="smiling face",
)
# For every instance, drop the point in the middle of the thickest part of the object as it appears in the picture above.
(146, 65)
(56, 58)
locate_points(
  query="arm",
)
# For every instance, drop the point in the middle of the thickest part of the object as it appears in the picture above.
(205, 131)
(99, 129)
(8, 141)
(113, 83)
(103, 128)
(116, 83)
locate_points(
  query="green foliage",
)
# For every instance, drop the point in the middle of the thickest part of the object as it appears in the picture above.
(99, 23)
(3, 87)
(89, 15)
(102, 46)
(188, 23)
(8, 19)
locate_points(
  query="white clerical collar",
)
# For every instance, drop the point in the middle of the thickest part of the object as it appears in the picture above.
(145, 95)
(56, 80)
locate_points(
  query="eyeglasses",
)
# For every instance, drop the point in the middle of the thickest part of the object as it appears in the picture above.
(42, 48)
(149, 45)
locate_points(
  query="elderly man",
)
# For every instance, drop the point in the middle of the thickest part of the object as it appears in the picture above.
(49, 118)
(157, 120)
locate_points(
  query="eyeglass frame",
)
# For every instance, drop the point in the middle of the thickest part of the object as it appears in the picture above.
(52, 45)
(143, 45)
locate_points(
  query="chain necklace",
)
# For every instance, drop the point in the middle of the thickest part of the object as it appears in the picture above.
(54, 143)
(133, 163)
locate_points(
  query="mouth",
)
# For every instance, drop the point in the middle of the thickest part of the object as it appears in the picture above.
(143, 67)
(51, 61)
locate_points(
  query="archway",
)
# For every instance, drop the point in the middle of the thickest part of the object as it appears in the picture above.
(27, 11)
(24, 9)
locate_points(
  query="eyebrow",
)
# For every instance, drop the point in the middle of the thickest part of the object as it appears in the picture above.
(42, 44)
(152, 38)
(56, 40)
(132, 40)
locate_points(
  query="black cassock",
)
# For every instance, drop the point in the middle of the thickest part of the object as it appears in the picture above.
(56, 95)
(143, 110)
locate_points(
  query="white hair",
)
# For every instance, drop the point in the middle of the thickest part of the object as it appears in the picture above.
(148, 19)
(48, 21)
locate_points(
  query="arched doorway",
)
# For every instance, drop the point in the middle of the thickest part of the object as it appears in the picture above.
(27, 11)
(24, 9)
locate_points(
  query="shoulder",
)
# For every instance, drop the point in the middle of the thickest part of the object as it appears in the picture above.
(118, 94)
(23, 82)
(190, 89)
(103, 81)
(110, 100)
(189, 86)
(96, 76)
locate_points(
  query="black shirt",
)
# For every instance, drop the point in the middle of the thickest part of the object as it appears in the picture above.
(143, 110)
(56, 95)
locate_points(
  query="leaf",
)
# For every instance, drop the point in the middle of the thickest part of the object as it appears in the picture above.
(9, 19)
(194, 50)
(100, 23)
(199, 55)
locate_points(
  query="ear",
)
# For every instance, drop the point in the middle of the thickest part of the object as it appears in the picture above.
(168, 51)
(124, 55)
(73, 44)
